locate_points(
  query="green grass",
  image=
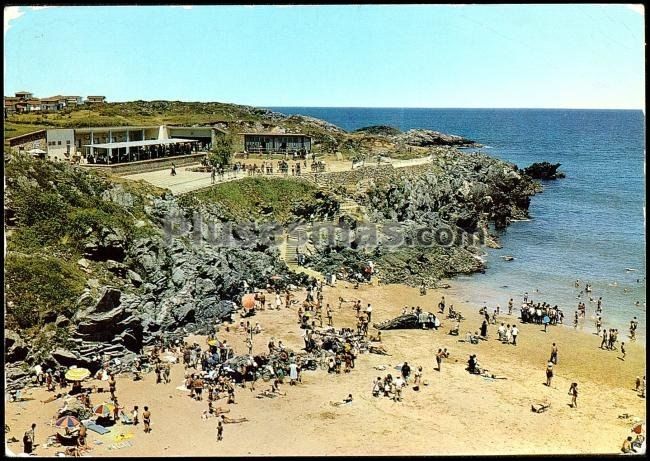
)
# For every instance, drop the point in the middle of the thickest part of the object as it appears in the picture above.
(258, 199)
(52, 210)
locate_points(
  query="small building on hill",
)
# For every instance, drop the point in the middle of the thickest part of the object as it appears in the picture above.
(276, 143)
(96, 99)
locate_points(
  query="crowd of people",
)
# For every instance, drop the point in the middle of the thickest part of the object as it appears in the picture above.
(215, 371)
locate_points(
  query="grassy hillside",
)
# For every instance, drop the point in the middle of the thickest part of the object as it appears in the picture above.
(261, 199)
(51, 211)
(327, 139)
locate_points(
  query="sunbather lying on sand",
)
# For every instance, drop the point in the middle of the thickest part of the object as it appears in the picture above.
(381, 350)
(227, 420)
(540, 407)
(52, 398)
(345, 401)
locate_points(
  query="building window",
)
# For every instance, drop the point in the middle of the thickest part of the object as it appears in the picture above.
(59, 143)
(68, 142)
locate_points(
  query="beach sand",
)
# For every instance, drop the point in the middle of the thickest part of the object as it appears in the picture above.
(456, 413)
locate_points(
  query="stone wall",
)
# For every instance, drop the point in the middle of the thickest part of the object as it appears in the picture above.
(144, 166)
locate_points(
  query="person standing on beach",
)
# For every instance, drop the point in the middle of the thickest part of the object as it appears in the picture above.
(603, 343)
(553, 358)
(623, 350)
(633, 325)
(146, 419)
(112, 385)
(219, 431)
(439, 356)
(573, 392)
(510, 303)
(515, 333)
(549, 374)
(599, 324)
(575, 320)
(28, 439)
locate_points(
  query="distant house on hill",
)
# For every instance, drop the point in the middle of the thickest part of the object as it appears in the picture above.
(33, 105)
(276, 142)
(95, 99)
(53, 103)
(11, 105)
(74, 100)
(24, 95)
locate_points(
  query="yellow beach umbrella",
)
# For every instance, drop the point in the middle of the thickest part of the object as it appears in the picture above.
(212, 342)
(77, 374)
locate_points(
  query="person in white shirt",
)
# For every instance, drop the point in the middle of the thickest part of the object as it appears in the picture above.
(502, 332)
(369, 312)
(399, 384)
(515, 332)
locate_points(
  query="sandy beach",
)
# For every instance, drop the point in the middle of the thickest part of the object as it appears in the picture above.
(455, 413)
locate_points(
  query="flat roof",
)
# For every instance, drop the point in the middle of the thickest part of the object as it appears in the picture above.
(146, 142)
(121, 128)
(277, 134)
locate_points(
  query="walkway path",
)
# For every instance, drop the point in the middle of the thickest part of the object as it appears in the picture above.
(187, 181)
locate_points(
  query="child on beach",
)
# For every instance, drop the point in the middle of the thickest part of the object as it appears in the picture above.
(146, 419)
(573, 392)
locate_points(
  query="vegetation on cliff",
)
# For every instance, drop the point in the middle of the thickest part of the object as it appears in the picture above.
(263, 199)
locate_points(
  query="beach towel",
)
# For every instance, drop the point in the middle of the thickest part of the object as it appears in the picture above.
(99, 429)
(121, 437)
(118, 446)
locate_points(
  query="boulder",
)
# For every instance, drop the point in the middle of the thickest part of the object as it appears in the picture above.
(407, 321)
(117, 268)
(16, 378)
(67, 358)
(62, 321)
(15, 348)
(134, 277)
(544, 171)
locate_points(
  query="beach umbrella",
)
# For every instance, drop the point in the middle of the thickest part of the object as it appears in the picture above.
(77, 374)
(248, 301)
(308, 314)
(212, 342)
(37, 151)
(104, 409)
(276, 277)
(67, 421)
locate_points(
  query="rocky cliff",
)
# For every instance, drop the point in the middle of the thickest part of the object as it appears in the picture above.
(426, 222)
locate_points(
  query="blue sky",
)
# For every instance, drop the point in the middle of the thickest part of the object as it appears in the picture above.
(564, 56)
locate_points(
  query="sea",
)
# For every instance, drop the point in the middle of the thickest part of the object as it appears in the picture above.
(589, 226)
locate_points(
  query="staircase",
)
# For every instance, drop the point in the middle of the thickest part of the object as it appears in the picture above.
(288, 252)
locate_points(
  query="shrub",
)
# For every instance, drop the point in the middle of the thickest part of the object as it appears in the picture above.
(38, 284)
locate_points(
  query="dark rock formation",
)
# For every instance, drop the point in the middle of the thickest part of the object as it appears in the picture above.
(15, 348)
(381, 130)
(403, 322)
(428, 138)
(544, 171)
